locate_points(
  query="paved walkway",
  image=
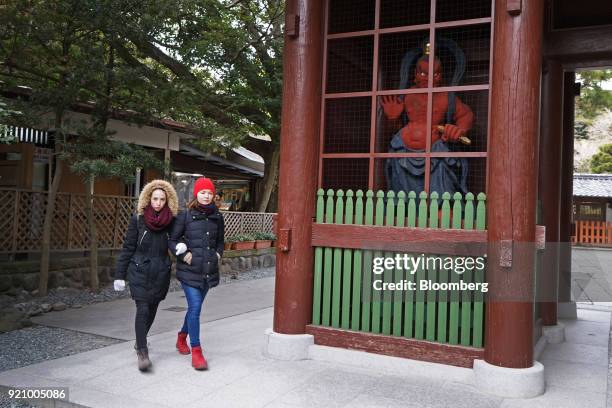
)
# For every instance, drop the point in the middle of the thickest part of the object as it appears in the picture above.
(116, 319)
(240, 376)
(592, 276)
(234, 319)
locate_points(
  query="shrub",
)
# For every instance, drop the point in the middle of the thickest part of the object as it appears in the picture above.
(244, 237)
(264, 236)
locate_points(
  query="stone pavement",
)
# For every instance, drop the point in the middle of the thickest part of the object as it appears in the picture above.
(240, 376)
(116, 319)
(592, 275)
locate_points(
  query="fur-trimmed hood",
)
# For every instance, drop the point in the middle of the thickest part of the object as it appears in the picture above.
(145, 196)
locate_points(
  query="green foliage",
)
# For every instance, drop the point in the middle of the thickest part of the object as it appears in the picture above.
(256, 236)
(593, 99)
(581, 128)
(227, 55)
(601, 162)
(244, 237)
(264, 236)
(214, 64)
(64, 55)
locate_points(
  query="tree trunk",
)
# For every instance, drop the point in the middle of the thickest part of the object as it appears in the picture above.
(273, 202)
(93, 238)
(270, 178)
(43, 277)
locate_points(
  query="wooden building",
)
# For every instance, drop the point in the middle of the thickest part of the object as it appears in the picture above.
(24, 180)
(592, 209)
(26, 164)
(592, 197)
(366, 82)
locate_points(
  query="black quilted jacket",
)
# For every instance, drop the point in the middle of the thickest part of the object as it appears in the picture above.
(203, 236)
(144, 261)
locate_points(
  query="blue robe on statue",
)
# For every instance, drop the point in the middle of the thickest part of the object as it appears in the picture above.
(448, 174)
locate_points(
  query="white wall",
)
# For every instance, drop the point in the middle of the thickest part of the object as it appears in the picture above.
(148, 136)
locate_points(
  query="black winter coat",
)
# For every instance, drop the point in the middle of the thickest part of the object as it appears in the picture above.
(145, 262)
(203, 236)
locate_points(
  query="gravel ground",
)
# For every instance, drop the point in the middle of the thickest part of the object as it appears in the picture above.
(5, 402)
(35, 344)
(77, 298)
(252, 274)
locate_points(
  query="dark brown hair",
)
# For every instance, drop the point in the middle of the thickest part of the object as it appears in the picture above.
(192, 204)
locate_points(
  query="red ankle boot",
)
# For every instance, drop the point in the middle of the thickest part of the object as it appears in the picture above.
(181, 343)
(197, 359)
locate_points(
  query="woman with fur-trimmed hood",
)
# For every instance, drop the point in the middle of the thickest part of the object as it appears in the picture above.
(144, 259)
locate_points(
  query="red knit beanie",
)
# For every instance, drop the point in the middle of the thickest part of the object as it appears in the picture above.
(203, 183)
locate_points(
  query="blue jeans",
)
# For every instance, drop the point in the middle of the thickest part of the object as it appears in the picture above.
(195, 298)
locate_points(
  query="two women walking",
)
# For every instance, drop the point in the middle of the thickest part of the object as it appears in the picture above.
(195, 236)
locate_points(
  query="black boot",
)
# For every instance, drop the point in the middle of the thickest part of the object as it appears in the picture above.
(143, 359)
(136, 346)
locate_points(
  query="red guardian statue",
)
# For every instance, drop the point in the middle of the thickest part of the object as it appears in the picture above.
(451, 121)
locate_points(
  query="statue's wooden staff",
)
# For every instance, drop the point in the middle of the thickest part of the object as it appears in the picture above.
(463, 139)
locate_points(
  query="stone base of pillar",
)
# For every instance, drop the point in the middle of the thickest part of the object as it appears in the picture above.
(567, 310)
(287, 346)
(509, 382)
(538, 349)
(554, 334)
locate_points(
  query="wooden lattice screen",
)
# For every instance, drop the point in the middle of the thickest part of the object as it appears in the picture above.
(246, 222)
(24, 211)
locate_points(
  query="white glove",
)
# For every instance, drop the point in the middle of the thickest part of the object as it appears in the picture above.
(180, 248)
(218, 256)
(119, 285)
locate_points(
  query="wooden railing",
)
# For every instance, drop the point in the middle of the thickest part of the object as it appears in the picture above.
(596, 233)
(378, 225)
(24, 213)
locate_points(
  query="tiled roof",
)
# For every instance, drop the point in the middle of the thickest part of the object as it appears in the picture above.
(592, 185)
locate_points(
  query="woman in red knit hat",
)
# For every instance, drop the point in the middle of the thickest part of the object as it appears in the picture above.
(197, 239)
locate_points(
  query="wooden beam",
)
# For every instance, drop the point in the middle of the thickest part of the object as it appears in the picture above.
(598, 62)
(549, 186)
(579, 44)
(184, 163)
(459, 356)
(567, 173)
(400, 239)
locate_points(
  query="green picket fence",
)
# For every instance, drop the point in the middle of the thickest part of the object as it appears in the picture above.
(343, 297)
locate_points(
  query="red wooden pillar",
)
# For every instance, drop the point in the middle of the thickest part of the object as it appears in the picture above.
(567, 185)
(302, 65)
(513, 153)
(549, 186)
